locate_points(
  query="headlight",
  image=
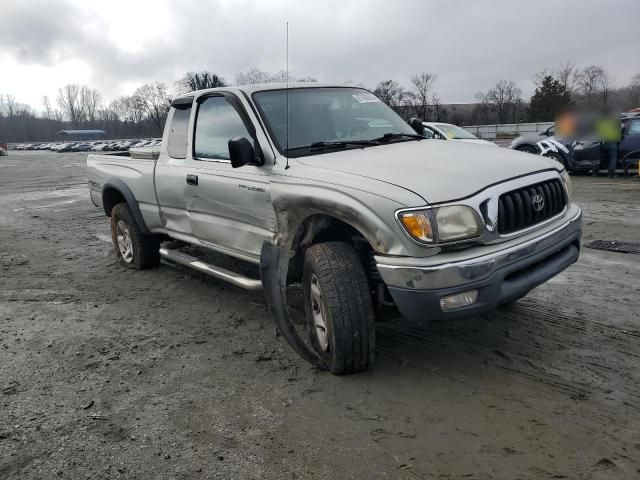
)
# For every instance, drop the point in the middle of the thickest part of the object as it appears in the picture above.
(457, 222)
(454, 222)
(567, 183)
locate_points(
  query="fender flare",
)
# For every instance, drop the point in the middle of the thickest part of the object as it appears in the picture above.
(274, 264)
(130, 199)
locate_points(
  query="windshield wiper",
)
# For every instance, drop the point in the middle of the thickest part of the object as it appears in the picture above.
(327, 145)
(392, 136)
(336, 144)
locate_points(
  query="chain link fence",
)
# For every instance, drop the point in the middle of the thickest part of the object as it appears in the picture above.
(506, 130)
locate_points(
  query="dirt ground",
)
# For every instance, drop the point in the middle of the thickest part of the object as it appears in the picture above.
(108, 373)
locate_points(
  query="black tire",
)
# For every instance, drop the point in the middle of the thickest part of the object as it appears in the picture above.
(144, 249)
(527, 148)
(558, 158)
(346, 304)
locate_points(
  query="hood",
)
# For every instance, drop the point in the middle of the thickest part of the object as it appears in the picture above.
(437, 171)
(475, 141)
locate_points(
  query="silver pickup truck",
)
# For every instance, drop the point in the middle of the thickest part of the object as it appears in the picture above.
(326, 189)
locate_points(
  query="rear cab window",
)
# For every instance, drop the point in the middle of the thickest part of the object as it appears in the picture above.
(178, 135)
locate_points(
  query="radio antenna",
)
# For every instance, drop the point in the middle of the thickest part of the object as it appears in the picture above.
(287, 102)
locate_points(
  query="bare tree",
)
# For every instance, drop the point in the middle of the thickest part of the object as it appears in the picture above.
(154, 101)
(568, 76)
(8, 105)
(255, 75)
(47, 110)
(307, 78)
(420, 93)
(634, 91)
(391, 93)
(594, 83)
(193, 81)
(132, 113)
(70, 103)
(252, 76)
(503, 99)
(90, 100)
(482, 110)
(539, 77)
(438, 111)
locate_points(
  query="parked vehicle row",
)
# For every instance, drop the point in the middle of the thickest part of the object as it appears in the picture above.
(95, 145)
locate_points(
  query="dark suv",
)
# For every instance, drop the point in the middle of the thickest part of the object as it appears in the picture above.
(590, 152)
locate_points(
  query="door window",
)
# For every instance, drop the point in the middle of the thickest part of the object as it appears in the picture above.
(634, 128)
(218, 122)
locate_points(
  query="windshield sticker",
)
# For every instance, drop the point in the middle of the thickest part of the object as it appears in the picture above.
(365, 97)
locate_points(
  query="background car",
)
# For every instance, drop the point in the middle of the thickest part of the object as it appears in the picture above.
(81, 147)
(527, 143)
(447, 131)
(64, 147)
(3, 149)
(590, 152)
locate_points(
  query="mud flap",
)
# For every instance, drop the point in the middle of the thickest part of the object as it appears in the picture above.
(274, 264)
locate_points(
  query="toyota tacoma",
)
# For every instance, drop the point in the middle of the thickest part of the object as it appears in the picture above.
(344, 210)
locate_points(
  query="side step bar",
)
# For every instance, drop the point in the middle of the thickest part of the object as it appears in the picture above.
(217, 272)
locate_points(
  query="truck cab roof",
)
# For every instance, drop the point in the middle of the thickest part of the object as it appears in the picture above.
(257, 87)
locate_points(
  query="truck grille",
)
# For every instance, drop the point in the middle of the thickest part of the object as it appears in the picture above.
(527, 206)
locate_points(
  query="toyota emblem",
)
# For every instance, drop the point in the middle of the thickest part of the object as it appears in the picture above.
(538, 203)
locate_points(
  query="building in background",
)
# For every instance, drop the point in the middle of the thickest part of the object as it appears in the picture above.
(82, 134)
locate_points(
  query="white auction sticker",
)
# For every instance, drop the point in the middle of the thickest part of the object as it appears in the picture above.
(365, 97)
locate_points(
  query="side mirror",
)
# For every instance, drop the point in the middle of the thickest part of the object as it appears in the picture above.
(241, 152)
(416, 124)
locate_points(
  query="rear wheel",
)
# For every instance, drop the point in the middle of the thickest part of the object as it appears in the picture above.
(338, 307)
(132, 248)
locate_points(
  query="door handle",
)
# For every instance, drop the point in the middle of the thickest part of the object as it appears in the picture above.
(192, 179)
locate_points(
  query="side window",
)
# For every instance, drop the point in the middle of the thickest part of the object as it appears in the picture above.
(634, 128)
(428, 132)
(178, 135)
(217, 123)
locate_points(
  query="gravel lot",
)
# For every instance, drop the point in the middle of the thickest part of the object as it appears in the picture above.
(112, 373)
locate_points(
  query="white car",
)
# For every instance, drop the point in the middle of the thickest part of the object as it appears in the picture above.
(447, 131)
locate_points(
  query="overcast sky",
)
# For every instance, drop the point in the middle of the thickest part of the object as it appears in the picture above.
(117, 45)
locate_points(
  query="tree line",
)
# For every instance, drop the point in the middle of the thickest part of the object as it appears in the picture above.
(555, 90)
(143, 113)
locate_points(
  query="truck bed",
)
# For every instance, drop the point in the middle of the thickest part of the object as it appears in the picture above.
(136, 173)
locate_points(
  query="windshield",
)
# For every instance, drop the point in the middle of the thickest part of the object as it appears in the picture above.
(326, 114)
(454, 132)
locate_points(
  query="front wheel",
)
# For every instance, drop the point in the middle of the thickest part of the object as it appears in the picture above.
(527, 149)
(338, 307)
(132, 248)
(558, 158)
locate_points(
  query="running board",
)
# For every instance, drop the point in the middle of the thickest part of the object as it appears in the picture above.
(217, 272)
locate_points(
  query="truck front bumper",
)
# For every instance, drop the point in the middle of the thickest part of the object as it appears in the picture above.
(497, 277)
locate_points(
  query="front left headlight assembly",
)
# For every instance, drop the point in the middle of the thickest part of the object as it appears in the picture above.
(441, 224)
(568, 185)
